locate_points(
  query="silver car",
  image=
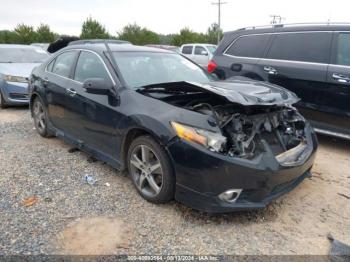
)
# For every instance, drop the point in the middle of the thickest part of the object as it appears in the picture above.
(16, 64)
(199, 53)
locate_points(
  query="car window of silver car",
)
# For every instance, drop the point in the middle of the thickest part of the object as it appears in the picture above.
(187, 50)
(199, 50)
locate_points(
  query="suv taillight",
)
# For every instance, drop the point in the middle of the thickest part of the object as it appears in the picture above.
(212, 66)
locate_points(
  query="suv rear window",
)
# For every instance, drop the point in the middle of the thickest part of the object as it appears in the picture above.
(343, 54)
(187, 50)
(249, 46)
(305, 47)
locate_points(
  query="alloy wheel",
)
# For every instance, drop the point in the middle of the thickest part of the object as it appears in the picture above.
(146, 170)
(39, 116)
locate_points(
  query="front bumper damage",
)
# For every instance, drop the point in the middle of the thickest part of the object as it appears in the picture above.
(201, 175)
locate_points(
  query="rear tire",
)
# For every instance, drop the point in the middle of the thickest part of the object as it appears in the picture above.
(40, 118)
(150, 170)
(2, 101)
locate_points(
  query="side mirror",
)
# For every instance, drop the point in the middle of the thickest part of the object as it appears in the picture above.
(203, 52)
(97, 86)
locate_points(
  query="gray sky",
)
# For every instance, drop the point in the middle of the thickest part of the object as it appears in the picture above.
(166, 16)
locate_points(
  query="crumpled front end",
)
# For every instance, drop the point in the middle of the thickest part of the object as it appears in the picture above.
(242, 155)
(203, 176)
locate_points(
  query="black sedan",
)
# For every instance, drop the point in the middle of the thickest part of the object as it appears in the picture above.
(216, 146)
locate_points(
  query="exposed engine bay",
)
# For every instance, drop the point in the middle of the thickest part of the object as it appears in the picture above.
(246, 127)
(282, 128)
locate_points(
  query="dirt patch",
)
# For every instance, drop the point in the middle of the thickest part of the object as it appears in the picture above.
(95, 236)
(12, 115)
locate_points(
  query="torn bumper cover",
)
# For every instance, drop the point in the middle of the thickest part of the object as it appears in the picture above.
(202, 175)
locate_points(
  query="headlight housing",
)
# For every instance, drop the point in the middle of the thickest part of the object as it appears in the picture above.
(18, 79)
(211, 140)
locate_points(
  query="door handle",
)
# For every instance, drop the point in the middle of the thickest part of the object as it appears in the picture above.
(45, 81)
(71, 91)
(270, 70)
(341, 78)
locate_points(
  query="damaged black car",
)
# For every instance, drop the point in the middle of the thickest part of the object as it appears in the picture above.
(216, 146)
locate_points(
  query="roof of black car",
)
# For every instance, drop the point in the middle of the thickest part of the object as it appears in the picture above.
(98, 41)
(100, 47)
(293, 28)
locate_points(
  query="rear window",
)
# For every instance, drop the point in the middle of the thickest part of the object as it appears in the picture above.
(305, 47)
(249, 46)
(187, 50)
(22, 55)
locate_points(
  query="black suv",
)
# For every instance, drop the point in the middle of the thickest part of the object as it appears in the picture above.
(311, 60)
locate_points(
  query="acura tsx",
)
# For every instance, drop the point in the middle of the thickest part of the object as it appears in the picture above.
(216, 146)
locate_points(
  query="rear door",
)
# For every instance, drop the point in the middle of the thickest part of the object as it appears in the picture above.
(338, 80)
(241, 57)
(298, 61)
(56, 79)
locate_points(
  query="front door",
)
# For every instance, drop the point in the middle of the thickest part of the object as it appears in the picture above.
(201, 56)
(94, 117)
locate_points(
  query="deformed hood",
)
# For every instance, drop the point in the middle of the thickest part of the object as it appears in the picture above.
(247, 93)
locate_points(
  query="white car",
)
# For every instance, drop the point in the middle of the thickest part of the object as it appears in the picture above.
(199, 53)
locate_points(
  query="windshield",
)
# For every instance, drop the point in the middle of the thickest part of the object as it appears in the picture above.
(147, 68)
(22, 55)
(211, 48)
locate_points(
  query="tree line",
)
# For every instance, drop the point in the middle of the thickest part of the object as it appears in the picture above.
(92, 29)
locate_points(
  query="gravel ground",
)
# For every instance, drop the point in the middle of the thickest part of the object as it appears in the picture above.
(47, 208)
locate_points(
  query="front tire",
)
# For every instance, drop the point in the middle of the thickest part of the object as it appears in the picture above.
(150, 170)
(2, 101)
(40, 118)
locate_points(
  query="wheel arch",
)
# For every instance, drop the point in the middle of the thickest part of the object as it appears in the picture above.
(131, 135)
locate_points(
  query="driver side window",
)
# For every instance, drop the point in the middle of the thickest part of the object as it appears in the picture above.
(90, 66)
(199, 50)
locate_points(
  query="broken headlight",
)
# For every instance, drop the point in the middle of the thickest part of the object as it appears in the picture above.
(211, 140)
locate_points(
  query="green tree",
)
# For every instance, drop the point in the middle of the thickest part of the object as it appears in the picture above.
(26, 34)
(166, 39)
(9, 37)
(212, 34)
(138, 35)
(188, 36)
(44, 34)
(92, 29)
